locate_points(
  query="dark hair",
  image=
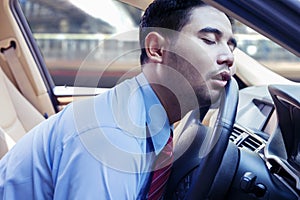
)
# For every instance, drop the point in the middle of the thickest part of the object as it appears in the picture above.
(165, 14)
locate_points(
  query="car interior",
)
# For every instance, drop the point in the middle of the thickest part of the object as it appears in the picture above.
(257, 153)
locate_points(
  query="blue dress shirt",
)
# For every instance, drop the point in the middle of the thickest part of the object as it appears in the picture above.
(97, 148)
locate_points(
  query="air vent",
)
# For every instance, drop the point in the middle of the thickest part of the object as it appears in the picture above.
(235, 134)
(243, 138)
(253, 144)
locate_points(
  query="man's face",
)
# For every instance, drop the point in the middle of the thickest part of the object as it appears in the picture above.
(202, 53)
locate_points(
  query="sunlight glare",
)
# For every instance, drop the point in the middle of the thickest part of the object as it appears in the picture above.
(108, 11)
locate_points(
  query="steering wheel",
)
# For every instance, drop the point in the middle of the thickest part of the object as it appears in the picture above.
(215, 144)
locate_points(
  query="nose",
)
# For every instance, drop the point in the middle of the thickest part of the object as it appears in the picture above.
(226, 58)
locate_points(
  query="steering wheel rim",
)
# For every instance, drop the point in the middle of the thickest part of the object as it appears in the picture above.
(192, 162)
(223, 127)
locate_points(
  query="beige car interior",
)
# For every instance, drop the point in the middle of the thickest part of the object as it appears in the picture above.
(17, 117)
(24, 97)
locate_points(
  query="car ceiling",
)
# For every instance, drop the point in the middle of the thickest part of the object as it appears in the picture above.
(279, 20)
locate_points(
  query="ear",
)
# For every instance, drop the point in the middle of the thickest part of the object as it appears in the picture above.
(155, 46)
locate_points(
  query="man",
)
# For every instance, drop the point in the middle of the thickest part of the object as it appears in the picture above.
(106, 147)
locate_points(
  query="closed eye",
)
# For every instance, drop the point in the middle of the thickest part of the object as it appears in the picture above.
(207, 41)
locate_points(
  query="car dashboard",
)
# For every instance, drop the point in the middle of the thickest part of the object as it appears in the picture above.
(267, 135)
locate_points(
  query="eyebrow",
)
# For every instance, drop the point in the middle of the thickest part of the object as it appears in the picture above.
(218, 33)
(211, 30)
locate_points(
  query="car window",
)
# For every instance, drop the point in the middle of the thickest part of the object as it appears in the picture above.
(83, 45)
(268, 53)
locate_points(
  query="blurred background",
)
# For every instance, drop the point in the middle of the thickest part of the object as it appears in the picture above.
(81, 40)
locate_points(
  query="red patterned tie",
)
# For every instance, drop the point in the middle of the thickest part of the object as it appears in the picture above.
(162, 168)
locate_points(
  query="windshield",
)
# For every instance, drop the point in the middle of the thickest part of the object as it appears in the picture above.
(81, 42)
(267, 52)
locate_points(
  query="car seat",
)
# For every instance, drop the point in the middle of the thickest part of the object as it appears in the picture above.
(17, 115)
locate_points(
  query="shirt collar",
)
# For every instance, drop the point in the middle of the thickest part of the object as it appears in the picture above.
(156, 116)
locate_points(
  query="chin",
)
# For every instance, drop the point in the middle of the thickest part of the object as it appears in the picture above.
(207, 95)
(215, 96)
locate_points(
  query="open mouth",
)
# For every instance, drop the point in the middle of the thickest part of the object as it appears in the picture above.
(221, 79)
(223, 76)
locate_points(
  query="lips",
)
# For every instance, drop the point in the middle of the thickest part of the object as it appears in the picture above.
(225, 76)
(220, 80)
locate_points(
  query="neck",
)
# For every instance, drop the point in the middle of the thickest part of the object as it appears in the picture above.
(169, 92)
(169, 102)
